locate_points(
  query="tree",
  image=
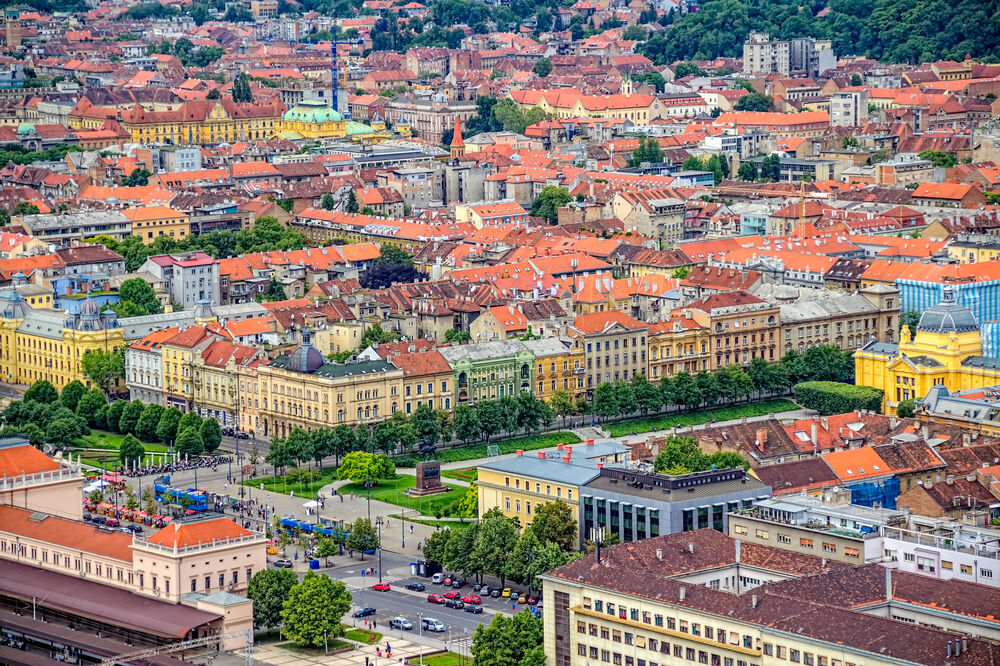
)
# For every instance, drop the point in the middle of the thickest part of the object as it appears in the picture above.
(363, 537)
(605, 401)
(754, 102)
(728, 460)
(313, 610)
(856, 80)
(548, 202)
(708, 386)
(770, 168)
(938, 158)
(138, 292)
(213, 94)
(508, 641)
(130, 417)
(425, 423)
(113, 416)
(437, 545)
(166, 428)
(466, 423)
(910, 319)
(687, 69)
(747, 172)
(103, 367)
(131, 451)
(390, 254)
(468, 506)
(365, 469)
(906, 408)
(648, 150)
(270, 589)
(189, 442)
(190, 419)
(241, 89)
(63, 432)
(554, 522)
(497, 537)
(41, 391)
(634, 33)
(849, 142)
(71, 394)
(327, 203)
(89, 405)
(352, 203)
(543, 67)
(837, 398)
(211, 434)
(562, 404)
(279, 455)
(734, 384)
(491, 419)
(681, 453)
(138, 178)
(149, 419)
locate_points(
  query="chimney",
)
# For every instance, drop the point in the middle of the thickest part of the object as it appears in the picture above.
(753, 600)
(738, 554)
(565, 459)
(683, 593)
(520, 452)
(691, 547)
(541, 454)
(560, 447)
(888, 585)
(590, 442)
(948, 650)
(925, 431)
(965, 643)
(659, 554)
(958, 647)
(568, 450)
(813, 436)
(600, 465)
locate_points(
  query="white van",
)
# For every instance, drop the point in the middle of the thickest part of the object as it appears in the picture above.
(437, 578)
(430, 624)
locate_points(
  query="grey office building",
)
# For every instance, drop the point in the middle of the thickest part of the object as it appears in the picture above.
(636, 504)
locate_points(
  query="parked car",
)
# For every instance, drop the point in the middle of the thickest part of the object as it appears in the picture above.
(112, 522)
(472, 599)
(400, 623)
(99, 520)
(514, 597)
(447, 580)
(364, 612)
(477, 587)
(381, 587)
(452, 594)
(435, 598)
(484, 590)
(473, 608)
(495, 593)
(137, 529)
(87, 516)
(454, 603)
(430, 624)
(283, 564)
(505, 593)
(437, 578)
(532, 599)
(457, 583)
(242, 435)
(418, 587)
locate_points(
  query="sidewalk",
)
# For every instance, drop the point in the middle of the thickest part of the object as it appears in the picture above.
(402, 649)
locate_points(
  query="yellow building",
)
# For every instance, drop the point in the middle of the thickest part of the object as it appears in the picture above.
(678, 345)
(946, 350)
(519, 485)
(37, 344)
(340, 336)
(559, 366)
(301, 389)
(974, 249)
(178, 354)
(200, 122)
(155, 221)
(313, 119)
(216, 381)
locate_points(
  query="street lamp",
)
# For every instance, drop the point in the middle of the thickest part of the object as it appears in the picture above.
(378, 524)
(420, 634)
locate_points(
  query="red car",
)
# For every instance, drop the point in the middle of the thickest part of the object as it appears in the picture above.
(472, 599)
(447, 581)
(381, 587)
(435, 598)
(452, 594)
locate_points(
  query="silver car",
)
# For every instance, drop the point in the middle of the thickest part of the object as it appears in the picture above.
(400, 623)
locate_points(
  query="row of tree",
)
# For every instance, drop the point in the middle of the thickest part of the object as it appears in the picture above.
(48, 416)
(497, 545)
(309, 612)
(267, 234)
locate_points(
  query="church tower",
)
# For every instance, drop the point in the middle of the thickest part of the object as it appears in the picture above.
(457, 143)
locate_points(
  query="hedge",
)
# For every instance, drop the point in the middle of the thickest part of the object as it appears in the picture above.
(837, 398)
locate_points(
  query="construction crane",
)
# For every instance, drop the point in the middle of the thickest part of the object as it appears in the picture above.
(206, 641)
(345, 113)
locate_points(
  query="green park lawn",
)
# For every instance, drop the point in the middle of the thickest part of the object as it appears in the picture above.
(391, 492)
(749, 410)
(280, 484)
(90, 448)
(476, 451)
(467, 474)
(362, 636)
(444, 659)
(333, 645)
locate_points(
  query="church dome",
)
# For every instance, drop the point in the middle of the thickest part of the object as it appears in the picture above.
(312, 111)
(357, 129)
(90, 308)
(25, 128)
(305, 357)
(948, 316)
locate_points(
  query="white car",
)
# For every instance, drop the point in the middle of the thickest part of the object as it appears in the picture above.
(400, 623)
(437, 578)
(430, 624)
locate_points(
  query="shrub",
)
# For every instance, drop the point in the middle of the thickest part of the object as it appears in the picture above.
(906, 408)
(837, 398)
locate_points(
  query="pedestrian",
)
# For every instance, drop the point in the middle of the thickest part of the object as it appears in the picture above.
(341, 499)
(378, 652)
(374, 624)
(367, 663)
(411, 528)
(513, 606)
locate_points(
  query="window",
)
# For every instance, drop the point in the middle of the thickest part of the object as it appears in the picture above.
(598, 605)
(784, 538)
(581, 649)
(581, 627)
(966, 569)
(829, 547)
(208, 582)
(793, 656)
(194, 584)
(806, 543)
(986, 573)
(740, 529)
(763, 534)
